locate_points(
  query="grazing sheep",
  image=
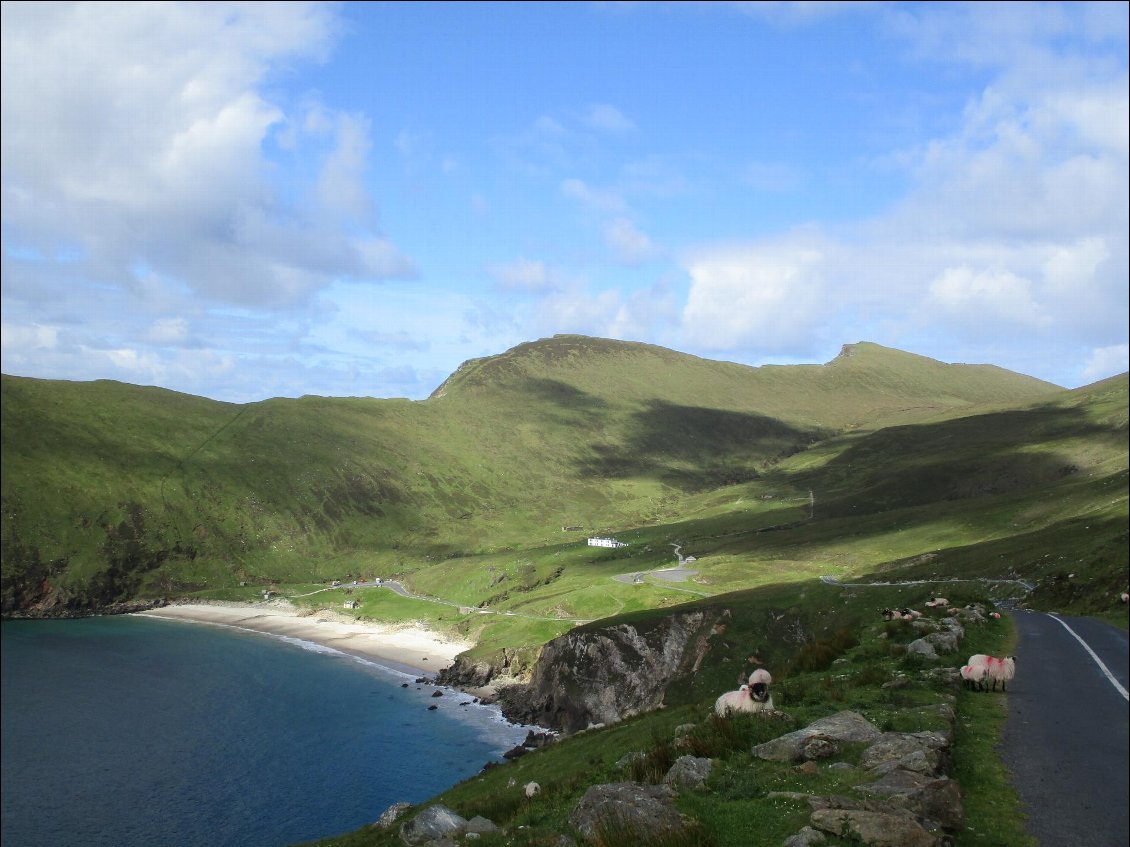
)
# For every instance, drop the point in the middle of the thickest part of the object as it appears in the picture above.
(935, 602)
(974, 677)
(532, 790)
(1124, 597)
(890, 615)
(998, 670)
(911, 614)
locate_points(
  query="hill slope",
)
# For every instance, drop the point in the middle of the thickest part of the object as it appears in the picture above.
(112, 490)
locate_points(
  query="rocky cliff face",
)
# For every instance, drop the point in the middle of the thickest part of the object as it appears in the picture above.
(600, 676)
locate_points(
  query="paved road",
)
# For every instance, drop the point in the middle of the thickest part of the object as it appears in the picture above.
(1065, 739)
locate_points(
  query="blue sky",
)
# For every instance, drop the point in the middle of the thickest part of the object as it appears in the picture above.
(251, 200)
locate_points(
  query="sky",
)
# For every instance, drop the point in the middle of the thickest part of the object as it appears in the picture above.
(251, 200)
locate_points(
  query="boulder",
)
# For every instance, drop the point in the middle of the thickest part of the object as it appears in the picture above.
(934, 799)
(922, 647)
(844, 727)
(875, 829)
(922, 752)
(689, 773)
(807, 837)
(480, 826)
(432, 824)
(390, 815)
(630, 811)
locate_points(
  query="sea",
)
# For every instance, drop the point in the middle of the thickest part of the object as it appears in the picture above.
(128, 731)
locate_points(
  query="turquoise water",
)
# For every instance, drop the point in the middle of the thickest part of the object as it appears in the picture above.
(131, 731)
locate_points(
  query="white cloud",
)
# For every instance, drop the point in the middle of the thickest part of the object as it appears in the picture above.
(1106, 361)
(759, 297)
(136, 134)
(173, 331)
(523, 275)
(627, 243)
(985, 299)
(600, 200)
(607, 118)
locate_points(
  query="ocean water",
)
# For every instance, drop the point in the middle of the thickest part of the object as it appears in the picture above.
(131, 731)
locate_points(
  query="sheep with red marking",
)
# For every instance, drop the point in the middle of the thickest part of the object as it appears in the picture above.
(974, 677)
(997, 669)
(733, 701)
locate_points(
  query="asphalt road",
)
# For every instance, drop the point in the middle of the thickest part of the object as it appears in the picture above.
(1065, 739)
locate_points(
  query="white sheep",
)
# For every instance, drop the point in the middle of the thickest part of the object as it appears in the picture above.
(759, 682)
(935, 602)
(1124, 597)
(733, 701)
(911, 614)
(974, 676)
(532, 790)
(998, 670)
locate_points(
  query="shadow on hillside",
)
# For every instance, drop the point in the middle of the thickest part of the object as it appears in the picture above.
(979, 456)
(693, 448)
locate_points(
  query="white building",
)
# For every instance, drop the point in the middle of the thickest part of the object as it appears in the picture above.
(606, 542)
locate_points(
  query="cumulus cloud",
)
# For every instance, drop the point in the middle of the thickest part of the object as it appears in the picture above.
(1104, 361)
(139, 135)
(766, 297)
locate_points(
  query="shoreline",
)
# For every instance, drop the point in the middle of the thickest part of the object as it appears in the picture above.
(406, 648)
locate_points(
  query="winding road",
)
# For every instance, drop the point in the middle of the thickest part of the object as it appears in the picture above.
(1065, 739)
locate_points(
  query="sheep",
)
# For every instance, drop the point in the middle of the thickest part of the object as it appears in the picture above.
(1124, 597)
(532, 790)
(733, 701)
(911, 614)
(974, 677)
(998, 670)
(935, 602)
(995, 615)
(759, 682)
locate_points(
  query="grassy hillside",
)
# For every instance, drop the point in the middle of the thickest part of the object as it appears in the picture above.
(112, 490)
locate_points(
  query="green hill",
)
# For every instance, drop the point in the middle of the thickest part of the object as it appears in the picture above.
(112, 490)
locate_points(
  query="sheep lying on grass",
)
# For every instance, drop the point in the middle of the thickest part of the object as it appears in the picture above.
(748, 699)
(759, 682)
(998, 670)
(937, 602)
(733, 701)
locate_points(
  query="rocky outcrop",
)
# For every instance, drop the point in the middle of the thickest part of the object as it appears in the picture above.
(628, 811)
(58, 612)
(601, 675)
(911, 801)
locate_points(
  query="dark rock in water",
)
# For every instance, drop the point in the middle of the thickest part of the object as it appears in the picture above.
(432, 708)
(437, 693)
(465, 703)
(515, 752)
(404, 685)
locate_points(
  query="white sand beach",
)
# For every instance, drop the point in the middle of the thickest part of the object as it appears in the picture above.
(398, 646)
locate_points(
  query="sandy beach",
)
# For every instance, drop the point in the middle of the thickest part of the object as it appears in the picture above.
(402, 647)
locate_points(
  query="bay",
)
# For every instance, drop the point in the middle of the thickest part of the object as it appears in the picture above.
(131, 731)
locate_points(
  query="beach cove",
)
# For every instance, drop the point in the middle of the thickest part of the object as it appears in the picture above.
(407, 648)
